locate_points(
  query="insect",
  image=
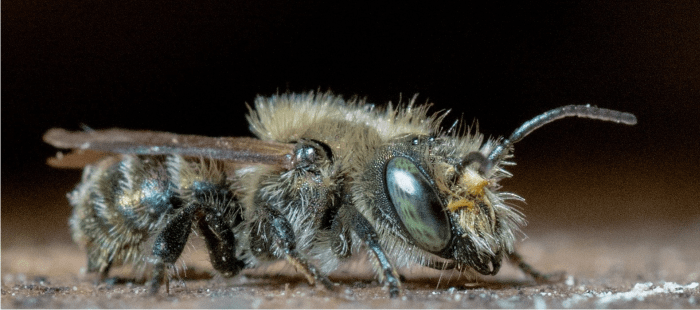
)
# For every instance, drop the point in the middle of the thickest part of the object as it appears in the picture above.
(325, 179)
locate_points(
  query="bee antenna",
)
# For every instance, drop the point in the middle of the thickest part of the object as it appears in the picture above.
(583, 111)
(484, 163)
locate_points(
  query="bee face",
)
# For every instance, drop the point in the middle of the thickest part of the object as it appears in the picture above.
(442, 211)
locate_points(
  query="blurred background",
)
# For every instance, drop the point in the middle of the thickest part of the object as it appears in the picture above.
(190, 67)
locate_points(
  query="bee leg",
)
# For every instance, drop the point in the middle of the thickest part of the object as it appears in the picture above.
(539, 277)
(341, 242)
(388, 274)
(104, 274)
(169, 245)
(283, 236)
(221, 243)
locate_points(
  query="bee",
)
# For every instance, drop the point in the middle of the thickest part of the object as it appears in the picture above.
(326, 179)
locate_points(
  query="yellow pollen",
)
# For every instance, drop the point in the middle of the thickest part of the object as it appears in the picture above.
(130, 199)
(478, 189)
(460, 204)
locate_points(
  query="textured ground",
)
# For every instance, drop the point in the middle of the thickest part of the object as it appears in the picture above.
(611, 269)
(638, 250)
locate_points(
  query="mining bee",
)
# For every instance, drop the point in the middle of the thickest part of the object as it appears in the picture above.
(324, 180)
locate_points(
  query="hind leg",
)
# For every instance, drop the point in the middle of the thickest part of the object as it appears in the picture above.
(217, 230)
(211, 207)
(169, 245)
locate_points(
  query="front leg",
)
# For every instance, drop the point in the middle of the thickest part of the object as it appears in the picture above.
(387, 273)
(540, 278)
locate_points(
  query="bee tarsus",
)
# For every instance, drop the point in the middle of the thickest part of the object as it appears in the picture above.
(539, 277)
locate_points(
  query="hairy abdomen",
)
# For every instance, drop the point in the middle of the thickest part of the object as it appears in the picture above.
(120, 202)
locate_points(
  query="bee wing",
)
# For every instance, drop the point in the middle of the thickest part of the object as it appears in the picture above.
(88, 146)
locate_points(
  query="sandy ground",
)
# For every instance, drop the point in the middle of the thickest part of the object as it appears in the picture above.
(611, 269)
(615, 259)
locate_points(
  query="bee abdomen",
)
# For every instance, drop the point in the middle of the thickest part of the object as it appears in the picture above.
(118, 205)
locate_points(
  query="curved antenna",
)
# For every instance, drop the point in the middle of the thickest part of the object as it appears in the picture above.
(583, 111)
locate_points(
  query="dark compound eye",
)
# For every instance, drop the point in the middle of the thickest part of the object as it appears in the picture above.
(417, 204)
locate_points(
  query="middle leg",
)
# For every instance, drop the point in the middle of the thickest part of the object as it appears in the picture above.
(274, 230)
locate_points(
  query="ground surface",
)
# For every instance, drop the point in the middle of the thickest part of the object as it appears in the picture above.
(627, 268)
(627, 246)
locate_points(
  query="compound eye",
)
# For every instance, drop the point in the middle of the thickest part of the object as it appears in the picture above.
(417, 204)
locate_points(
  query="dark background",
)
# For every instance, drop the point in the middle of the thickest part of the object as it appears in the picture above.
(190, 66)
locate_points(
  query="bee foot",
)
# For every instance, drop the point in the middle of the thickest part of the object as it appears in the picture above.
(554, 277)
(394, 290)
(326, 283)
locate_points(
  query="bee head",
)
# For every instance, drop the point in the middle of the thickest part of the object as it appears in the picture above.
(438, 199)
(441, 207)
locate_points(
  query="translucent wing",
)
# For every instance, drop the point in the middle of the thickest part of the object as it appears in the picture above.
(88, 146)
